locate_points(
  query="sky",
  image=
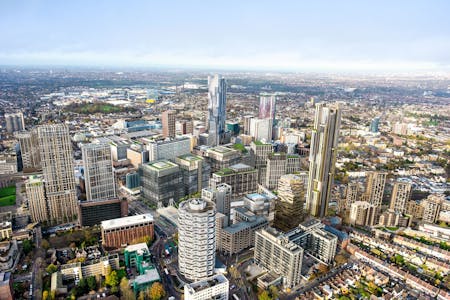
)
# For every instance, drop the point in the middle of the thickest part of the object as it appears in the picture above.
(319, 35)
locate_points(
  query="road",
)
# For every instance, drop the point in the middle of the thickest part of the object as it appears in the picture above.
(39, 256)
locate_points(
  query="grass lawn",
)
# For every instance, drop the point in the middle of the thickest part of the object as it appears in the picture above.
(7, 191)
(8, 196)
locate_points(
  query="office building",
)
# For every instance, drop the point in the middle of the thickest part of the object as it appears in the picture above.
(8, 163)
(132, 180)
(14, 122)
(217, 288)
(278, 255)
(196, 239)
(289, 208)
(98, 172)
(324, 141)
(375, 184)
(37, 204)
(401, 194)
(222, 157)
(247, 123)
(374, 124)
(241, 177)
(217, 101)
(137, 155)
(168, 149)
(195, 172)
(276, 167)
(161, 182)
(187, 127)
(168, 123)
(432, 207)
(221, 196)
(120, 232)
(94, 212)
(259, 152)
(260, 204)
(118, 150)
(31, 160)
(58, 171)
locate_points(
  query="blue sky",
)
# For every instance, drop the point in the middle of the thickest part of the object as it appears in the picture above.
(340, 35)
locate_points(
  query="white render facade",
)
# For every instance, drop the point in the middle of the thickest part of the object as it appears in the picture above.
(196, 239)
(216, 288)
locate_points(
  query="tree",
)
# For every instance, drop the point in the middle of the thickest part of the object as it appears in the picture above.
(51, 268)
(264, 296)
(92, 284)
(156, 291)
(112, 279)
(45, 295)
(141, 295)
(82, 284)
(273, 292)
(27, 246)
(45, 244)
(127, 292)
(53, 295)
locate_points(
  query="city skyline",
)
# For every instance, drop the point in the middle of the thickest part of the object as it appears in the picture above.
(350, 36)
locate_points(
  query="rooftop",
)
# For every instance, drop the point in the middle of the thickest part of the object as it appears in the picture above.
(190, 157)
(127, 221)
(137, 247)
(198, 286)
(220, 149)
(150, 275)
(162, 165)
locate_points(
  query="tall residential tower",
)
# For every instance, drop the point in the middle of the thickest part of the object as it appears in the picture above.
(217, 101)
(324, 140)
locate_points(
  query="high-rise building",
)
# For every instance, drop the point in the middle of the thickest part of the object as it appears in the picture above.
(259, 152)
(276, 253)
(401, 194)
(217, 101)
(31, 160)
(196, 239)
(351, 194)
(289, 208)
(276, 167)
(161, 182)
(195, 172)
(267, 106)
(374, 125)
(14, 122)
(241, 177)
(375, 184)
(168, 123)
(247, 123)
(261, 129)
(362, 213)
(37, 204)
(222, 157)
(221, 196)
(58, 171)
(168, 149)
(324, 141)
(432, 207)
(98, 172)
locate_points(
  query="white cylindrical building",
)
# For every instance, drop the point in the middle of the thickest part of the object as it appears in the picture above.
(196, 239)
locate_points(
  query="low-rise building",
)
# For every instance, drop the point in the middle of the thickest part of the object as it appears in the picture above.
(93, 267)
(117, 233)
(217, 287)
(6, 289)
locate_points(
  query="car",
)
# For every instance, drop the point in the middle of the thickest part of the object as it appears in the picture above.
(233, 287)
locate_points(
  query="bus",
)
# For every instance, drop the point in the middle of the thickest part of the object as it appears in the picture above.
(235, 297)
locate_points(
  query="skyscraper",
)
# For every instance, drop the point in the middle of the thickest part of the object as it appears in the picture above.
(221, 196)
(217, 101)
(98, 172)
(324, 140)
(14, 122)
(374, 125)
(31, 160)
(58, 171)
(400, 196)
(289, 211)
(168, 123)
(196, 239)
(267, 106)
(375, 187)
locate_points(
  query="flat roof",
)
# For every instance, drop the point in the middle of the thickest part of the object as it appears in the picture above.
(204, 284)
(162, 165)
(190, 157)
(126, 221)
(221, 149)
(137, 247)
(149, 276)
